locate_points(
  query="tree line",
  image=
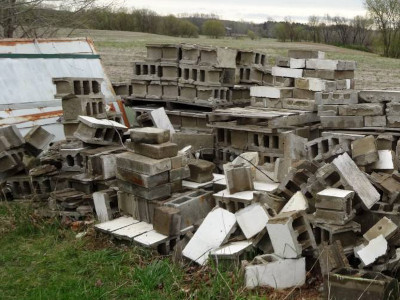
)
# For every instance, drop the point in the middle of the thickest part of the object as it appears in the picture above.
(377, 31)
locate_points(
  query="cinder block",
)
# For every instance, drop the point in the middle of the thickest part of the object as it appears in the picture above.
(238, 178)
(154, 193)
(167, 220)
(342, 122)
(147, 181)
(149, 135)
(376, 96)
(362, 109)
(286, 72)
(201, 170)
(271, 92)
(156, 151)
(142, 164)
(38, 139)
(306, 54)
(364, 151)
(327, 64)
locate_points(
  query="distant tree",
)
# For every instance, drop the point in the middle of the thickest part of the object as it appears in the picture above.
(342, 29)
(213, 28)
(188, 29)
(362, 27)
(37, 18)
(386, 14)
(281, 32)
(313, 23)
(251, 34)
(326, 29)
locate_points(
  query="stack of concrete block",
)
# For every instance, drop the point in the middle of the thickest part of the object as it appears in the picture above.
(297, 79)
(79, 97)
(149, 173)
(197, 75)
(362, 110)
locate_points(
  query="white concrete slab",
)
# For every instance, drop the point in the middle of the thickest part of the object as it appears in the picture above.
(116, 224)
(150, 239)
(232, 249)
(212, 233)
(131, 231)
(375, 249)
(252, 220)
(385, 160)
(161, 120)
(296, 203)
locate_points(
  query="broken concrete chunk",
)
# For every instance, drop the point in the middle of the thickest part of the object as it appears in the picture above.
(201, 170)
(296, 203)
(384, 227)
(272, 271)
(332, 257)
(252, 219)
(375, 96)
(376, 248)
(212, 233)
(149, 135)
(356, 180)
(364, 151)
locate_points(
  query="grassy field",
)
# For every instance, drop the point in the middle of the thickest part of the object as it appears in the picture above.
(119, 48)
(43, 259)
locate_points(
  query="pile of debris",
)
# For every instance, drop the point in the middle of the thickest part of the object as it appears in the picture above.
(284, 198)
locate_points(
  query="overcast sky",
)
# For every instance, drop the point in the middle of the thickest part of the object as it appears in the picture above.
(254, 10)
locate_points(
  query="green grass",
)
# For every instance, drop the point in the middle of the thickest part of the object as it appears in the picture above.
(42, 259)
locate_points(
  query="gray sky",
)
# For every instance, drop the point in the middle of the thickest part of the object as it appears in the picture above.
(255, 10)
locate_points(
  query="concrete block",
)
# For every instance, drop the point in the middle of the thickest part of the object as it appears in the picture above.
(286, 72)
(154, 90)
(328, 110)
(376, 248)
(342, 122)
(337, 98)
(170, 91)
(147, 181)
(393, 121)
(271, 92)
(142, 164)
(346, 283)
(179, 174)
(167, 220)
(386, 161)
(356, 180)
(212, 233)
(384, 142)
(149, 135)
(238, 178)
(274, 272)
(139, 88)
(332, 257)
(362, 109)
(201, 170)
(198, 141)
(290, 234)
(249, 58)
(190, 54)
(156, 151)
(299, 104)
(329, 74)
(375, 121)
(77, 86)
(102, 204)
(193, 206)
(218, 57)
(12, 135)
(376, 96)
(364, 151)
(385, 227)
(315, 84)
(38, 139)
(303, 94)
(252, 219)
(327, 64)
(154, 193)
(306, 54)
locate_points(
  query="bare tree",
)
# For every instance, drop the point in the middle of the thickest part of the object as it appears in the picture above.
(362, 27)
(326, 29)
(39, 18)
(386, 14)
(313, 23)
(342, 28)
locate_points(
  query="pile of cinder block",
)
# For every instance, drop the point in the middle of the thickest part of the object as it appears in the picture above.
(361, 110)
(199, 75)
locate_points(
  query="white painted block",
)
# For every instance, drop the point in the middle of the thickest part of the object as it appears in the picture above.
(297, 63)
(252, 220)
(375, 249)
(385, 160)
(102, 206)
(287, 72)
(131, 231)
(150, 238)
(329, 64)
(161, 120)
(266, 92)
(212, 233)
(296, 203)
(284, 240)
(277, 273)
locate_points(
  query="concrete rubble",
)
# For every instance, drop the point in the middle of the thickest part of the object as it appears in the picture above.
(286, 171)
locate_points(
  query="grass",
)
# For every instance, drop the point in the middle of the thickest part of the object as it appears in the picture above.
(43, 259)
